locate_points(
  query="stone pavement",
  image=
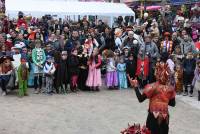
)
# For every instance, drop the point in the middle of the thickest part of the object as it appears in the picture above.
(104, 112)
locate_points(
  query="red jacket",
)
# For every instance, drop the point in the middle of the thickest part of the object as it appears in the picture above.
(142, 65)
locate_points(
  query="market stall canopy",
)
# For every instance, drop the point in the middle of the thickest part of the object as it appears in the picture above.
(182, 2)
(62, 8)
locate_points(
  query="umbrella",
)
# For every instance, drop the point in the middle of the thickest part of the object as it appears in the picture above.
(153, 7)
(3, 58)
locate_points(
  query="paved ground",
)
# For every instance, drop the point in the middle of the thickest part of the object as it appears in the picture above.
(105, 112)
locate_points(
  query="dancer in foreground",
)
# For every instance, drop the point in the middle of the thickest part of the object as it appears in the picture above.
(160, 95)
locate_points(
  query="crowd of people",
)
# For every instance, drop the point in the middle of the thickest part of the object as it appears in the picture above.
(75, 56)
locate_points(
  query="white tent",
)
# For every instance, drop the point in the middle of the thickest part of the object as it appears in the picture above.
(62, 8)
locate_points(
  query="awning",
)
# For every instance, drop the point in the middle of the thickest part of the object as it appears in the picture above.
(63, 8)
(181, 2)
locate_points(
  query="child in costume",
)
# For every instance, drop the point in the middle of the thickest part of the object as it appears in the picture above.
(94, 75)
(73, 69)
(167, 44)
(178, 56)
(23, 74)
(121, 70)
(178, 77)
(90, 43)
(126, 53)
(83, 67)
(142, 70)
(38, 57)
(131, 67)
(49, 70)
(171, 64)
(62, 76)
(189, 65)
(111, 73)
(196, 80)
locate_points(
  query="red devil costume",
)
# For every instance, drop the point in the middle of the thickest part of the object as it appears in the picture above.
(160, 95)
(136, 129)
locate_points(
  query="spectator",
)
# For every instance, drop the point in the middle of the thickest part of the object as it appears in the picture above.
(187, 45)
(189, 65)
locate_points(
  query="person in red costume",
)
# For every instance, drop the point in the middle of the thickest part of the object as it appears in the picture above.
(142, 70)
(160, 95)
(21, 23)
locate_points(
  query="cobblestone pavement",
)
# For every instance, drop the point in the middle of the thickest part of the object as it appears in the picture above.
(104, 112)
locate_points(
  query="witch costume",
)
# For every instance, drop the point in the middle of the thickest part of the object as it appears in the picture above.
(62, 74)
(73, 71)
(83, 67)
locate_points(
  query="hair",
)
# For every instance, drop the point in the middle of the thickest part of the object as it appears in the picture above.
(91, 58)
(73, 49)
(110, 54)
(2, 47)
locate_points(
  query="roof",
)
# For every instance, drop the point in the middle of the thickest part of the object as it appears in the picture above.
(63, 8)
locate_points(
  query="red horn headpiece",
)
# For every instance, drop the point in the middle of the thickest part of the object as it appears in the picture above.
(162, 73)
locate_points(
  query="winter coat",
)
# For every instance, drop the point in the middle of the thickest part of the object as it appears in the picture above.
(189, 66)
(73, 65)
(187, 47)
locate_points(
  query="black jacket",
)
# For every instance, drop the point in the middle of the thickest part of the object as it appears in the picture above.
(189, 66)
(73, 65)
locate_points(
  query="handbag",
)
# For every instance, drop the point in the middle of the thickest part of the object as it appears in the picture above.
(197, 85)
(11, 82)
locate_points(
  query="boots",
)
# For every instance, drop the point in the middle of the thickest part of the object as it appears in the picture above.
(191, 91)
(186, 91)
(198, 95)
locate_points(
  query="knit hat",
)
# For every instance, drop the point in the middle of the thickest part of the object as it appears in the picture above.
(49, 58)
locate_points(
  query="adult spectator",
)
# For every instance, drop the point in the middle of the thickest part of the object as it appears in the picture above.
(72, 42)
(187, 45)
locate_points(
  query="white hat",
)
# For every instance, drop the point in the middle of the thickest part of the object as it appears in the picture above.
(146, 14)
(8, 36)
(180, 18)
(135, 42)
(20, 45)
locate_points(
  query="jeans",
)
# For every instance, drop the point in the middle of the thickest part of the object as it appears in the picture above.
(4, 81)
(36, 82)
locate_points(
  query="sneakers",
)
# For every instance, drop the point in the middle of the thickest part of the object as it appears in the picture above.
(37, 91)
(185, 93)
(4, 94)
(191, 95)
